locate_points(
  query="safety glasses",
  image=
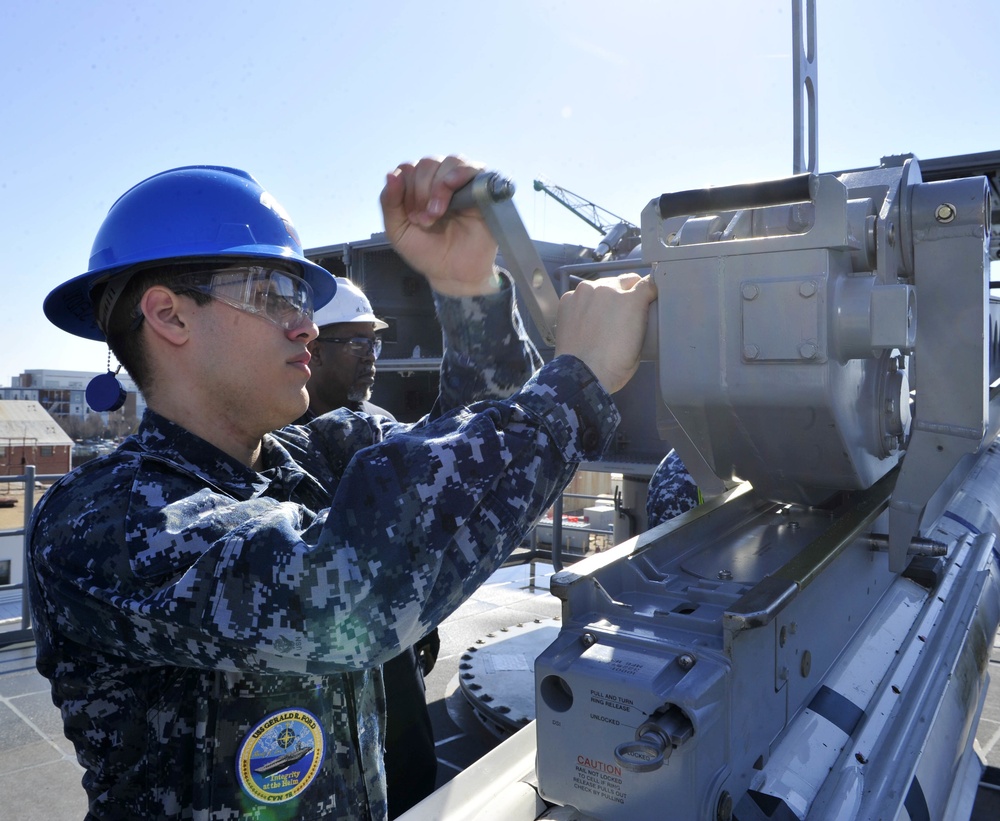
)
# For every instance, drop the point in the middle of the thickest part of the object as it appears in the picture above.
(357, 346)
(277, 296)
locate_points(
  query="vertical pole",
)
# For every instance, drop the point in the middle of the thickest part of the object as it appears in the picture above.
(29, 505)
(557, 514)
(805, 92)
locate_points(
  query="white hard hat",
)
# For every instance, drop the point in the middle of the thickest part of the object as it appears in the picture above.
(349, 304)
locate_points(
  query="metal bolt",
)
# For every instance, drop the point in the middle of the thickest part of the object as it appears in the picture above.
(808, 350)
(726, 575)
(588, 639)
(807, 661)
(751, 351)
(890, 234)
(750, 291)
(807, 289)
(945, 212)
(686, 661)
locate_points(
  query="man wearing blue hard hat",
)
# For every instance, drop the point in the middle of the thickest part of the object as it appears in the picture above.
(213, 601)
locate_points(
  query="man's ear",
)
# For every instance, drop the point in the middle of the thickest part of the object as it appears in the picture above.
(164, 314)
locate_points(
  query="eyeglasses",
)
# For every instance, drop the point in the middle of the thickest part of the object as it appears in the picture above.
(357, 345)
(277, 296)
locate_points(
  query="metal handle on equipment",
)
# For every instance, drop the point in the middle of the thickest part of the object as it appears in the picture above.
(492, 193)
(734, 197)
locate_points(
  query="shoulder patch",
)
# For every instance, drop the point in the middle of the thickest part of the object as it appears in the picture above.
(281, 756)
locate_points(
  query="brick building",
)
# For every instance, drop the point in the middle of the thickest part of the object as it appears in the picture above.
(30, 436)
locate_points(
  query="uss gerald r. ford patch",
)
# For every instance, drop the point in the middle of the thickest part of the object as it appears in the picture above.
(280, 756)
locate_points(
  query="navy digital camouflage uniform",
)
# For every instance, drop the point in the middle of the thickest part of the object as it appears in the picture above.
(671, 491)
(202, 624)
(409, 754)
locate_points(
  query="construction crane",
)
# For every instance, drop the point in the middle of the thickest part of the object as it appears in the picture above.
(619, 235)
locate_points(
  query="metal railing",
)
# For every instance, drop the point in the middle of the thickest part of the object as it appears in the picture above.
(23, 631)
(556, 550)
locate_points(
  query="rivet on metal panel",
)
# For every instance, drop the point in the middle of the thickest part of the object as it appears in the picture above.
(806, 664)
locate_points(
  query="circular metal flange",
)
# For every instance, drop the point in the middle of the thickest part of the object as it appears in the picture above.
(497, 674)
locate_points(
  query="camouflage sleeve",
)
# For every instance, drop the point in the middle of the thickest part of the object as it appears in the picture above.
(487, 353)
(418, 521)
(672, 491)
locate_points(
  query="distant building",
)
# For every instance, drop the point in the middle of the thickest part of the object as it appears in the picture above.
(63, 393)
(30, 436)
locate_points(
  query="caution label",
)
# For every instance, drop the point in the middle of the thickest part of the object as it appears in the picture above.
(600, 778)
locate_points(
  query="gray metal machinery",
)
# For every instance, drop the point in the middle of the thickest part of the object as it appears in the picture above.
(812, 642)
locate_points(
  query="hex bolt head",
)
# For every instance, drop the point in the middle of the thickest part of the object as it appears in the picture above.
(808, 350)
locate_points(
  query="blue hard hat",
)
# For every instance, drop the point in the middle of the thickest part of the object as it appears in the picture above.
(198, 212)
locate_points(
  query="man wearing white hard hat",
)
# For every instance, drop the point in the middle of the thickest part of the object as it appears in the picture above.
(343, 373)
(344, 353)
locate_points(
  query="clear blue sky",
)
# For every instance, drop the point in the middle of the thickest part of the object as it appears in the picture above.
(615, 101)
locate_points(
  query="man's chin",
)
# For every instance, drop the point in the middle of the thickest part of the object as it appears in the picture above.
(359, 395)
(295, 409)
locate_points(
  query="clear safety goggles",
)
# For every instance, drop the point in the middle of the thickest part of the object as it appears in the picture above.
(357, 345)
(277, 296)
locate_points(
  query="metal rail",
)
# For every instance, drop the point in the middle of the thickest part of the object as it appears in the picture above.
(24, 631)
